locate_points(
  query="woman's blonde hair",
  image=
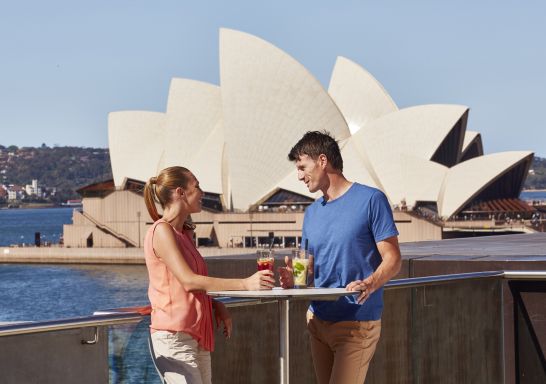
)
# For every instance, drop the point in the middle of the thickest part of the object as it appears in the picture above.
(159, 189)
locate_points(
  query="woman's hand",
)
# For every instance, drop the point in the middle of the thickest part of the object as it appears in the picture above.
(222, 316)
(259, 281)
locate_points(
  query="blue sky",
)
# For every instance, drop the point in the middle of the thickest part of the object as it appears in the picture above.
(66, 64)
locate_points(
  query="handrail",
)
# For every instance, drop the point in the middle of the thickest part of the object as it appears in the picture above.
(145, 310)
(101, 318)
(415, 282)
(111, 231)
(135, 314)
(525, 275)
(71, 323)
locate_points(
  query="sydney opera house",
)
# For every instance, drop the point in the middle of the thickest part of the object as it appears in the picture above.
(236, 136)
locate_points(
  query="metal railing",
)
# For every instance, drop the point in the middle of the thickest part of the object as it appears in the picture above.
(134, 314)
(425, 318)
(101, 318)
(71, 323)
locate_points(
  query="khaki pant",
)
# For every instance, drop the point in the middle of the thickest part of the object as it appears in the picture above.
(342, 350)
(179, 359)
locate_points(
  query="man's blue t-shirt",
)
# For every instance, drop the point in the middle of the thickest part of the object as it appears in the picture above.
(342, 236)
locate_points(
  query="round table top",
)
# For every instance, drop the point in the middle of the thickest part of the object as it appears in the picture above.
(294, 293)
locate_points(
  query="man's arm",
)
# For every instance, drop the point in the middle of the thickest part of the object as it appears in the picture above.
(389, 267)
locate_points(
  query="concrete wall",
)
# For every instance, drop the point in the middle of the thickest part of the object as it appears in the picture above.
(505, 316)
(413, 228)
(123, 211)
(76, 234)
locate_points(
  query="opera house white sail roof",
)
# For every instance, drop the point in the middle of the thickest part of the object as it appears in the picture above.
(236, 136)
(372, 100)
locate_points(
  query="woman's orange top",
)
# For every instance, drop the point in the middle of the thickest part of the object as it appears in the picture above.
(174, 308)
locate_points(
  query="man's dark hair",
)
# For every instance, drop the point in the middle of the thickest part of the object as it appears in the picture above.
(314, 144)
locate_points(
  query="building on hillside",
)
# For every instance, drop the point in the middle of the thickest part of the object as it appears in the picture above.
(16, 192)
(33, 189)
(235, 138)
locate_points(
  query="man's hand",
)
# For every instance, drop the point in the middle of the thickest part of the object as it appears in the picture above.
(286, 276)
(366, 288)
(222, 316)
(389, 267)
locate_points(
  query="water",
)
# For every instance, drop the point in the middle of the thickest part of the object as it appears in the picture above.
(533, 195)
(17, 226)
(46, 292)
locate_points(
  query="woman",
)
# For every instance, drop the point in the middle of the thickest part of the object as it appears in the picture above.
(181, 318)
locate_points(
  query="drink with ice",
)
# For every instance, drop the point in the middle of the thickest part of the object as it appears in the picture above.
(265, 260)
(300, 263)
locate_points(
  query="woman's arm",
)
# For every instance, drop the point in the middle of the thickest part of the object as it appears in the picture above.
(166, 248)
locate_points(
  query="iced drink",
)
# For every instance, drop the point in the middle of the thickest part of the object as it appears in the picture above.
(265, 260)
(300, 262)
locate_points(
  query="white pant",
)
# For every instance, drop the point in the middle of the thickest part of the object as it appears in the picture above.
(179, 359)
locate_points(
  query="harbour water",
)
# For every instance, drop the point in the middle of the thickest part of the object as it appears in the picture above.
(533, 195)
(18, 226)
(46, 292)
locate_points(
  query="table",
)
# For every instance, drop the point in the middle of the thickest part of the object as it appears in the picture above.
(283, 297)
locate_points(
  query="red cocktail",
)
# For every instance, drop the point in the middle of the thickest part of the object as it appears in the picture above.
(265, 264)
(265, 260)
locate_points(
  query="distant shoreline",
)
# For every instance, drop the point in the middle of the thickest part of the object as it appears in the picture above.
(64, 255)
(534, 190)
(39, 206)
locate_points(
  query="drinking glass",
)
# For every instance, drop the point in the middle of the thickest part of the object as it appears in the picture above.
(265, 259)
(300, 263)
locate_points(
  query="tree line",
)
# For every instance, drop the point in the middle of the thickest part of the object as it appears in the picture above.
(64, 168)
(537, 176)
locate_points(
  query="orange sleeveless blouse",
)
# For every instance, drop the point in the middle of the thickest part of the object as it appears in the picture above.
(174, 308)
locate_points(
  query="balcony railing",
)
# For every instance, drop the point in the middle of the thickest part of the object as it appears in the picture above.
(124, 358)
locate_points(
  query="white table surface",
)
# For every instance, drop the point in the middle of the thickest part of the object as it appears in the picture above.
(295, 293)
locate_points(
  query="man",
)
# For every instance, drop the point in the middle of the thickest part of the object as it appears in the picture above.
(351, 233)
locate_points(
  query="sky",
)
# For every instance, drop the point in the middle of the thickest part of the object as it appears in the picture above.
(64, 65)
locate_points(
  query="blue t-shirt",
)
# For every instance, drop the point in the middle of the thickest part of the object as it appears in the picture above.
(342, 236)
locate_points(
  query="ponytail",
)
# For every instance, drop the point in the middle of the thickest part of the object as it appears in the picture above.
(150, 198)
